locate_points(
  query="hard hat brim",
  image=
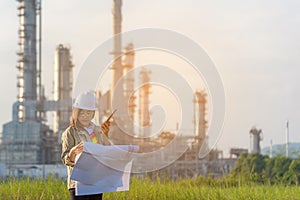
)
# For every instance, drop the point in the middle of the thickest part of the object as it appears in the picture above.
(84, 108)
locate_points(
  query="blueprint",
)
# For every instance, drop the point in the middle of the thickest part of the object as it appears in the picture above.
(101, 168)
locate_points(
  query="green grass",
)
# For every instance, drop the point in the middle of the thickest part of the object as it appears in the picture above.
(26, 189)
(200, 188)
(206, 189)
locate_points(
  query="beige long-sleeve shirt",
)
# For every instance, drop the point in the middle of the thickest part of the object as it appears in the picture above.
(70, 138)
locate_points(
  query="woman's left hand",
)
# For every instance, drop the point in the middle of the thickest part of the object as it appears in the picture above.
(105, 127)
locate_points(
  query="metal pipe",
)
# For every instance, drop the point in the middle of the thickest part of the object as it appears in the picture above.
(40, 50)
(287, 139)
(16, 110)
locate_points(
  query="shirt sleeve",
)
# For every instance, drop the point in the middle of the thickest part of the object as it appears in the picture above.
(68, 142)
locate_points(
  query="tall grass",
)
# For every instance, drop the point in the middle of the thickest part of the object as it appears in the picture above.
(200, 188)
(207, 189)
(28, 189)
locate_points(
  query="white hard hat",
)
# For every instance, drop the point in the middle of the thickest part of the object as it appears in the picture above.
(86, 101)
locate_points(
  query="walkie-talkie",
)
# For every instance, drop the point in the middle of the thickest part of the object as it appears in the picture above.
(110, 116)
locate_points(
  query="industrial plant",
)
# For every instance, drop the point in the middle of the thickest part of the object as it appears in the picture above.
(30, 147)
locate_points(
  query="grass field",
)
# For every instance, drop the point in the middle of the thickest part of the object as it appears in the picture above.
(200, 188)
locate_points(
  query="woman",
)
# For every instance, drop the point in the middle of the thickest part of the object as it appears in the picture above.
(82, 129)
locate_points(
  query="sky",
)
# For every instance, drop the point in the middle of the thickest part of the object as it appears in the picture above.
(254, 44)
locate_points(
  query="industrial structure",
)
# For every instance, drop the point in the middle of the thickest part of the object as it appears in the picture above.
(255, 138)
(189, 164)
(28, 140)
(144, 102)
(128, 65)
(287, 139)
(63, 75)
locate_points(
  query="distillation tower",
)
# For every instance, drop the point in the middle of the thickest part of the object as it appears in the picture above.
(124, 95)
(63, 75)
(27, 139)
(255, 138)
(22, 137)
(128, 64)
(200, 123)
(144, 101)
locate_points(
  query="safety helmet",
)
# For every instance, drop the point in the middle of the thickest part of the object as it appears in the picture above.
(86, 101)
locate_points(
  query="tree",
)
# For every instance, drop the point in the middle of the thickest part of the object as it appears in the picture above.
(292, 176)
(250, 167)
(281, 166)
(269, 172)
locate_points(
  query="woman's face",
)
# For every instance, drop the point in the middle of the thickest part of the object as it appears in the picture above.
(85, 117)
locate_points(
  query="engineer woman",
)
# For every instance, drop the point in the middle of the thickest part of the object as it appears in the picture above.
(82, 129)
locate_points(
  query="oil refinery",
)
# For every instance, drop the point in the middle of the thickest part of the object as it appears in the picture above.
(30, 147)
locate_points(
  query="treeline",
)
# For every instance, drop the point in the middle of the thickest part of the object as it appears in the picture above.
(262, 169)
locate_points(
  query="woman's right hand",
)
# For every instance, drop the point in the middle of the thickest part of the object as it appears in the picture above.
(76, 150)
